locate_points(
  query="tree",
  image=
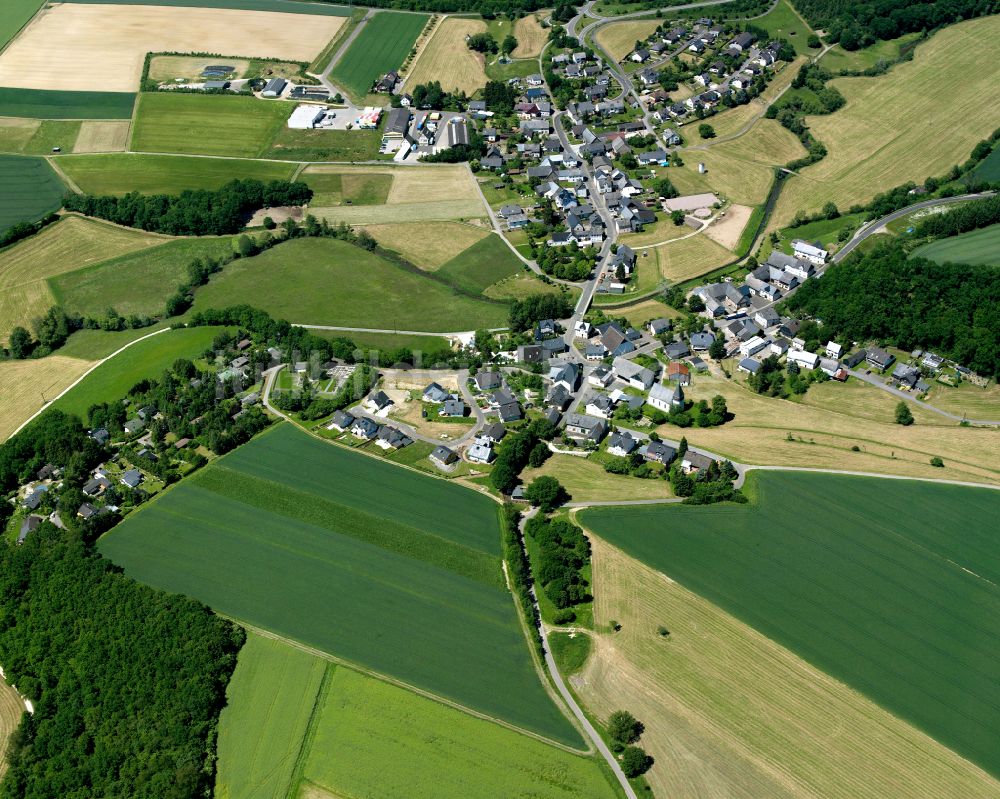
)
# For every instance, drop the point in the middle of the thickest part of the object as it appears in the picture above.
(903, 414)
(635, 761)
(509, 44)
(482, 43)
(717, 350)
(706, 131)
(539, 454)
(936, 461)
(830, 211)
(624, 727)
(19, 343)
(813, 41)
(677, 217)
(545, 493)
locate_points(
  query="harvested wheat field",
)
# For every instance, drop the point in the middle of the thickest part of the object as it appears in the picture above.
(530, 35)
(880, 138)
(26, 385)
(727, 230)
(103, 136)
(446, 58)
(428, 245)
(618, 38)
(69, 244)
(15, 133)
(730, 713)
(103, 46)
(11, 710)
(687, 258)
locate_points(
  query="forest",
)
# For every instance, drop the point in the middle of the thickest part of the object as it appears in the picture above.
(971, 216)
(908, 303)
(127, 682)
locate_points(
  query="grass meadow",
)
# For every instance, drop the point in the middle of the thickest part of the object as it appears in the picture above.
(47, 104)
(383, 43)
(480, 266)
(16, 14)
(975, 247)
(989, 168)
(206, 124)
(120, 173)
(783, 22)
(888, 586)
(31, 189)
(288, 6)
(619, 38)
(446, 59)
(373, 564)
(348, 188)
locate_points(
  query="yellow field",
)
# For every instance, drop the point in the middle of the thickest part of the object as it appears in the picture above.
(530, 36)
(690, 257)
(618, 38)
(880, 138)
(727, 230)
(431, 211)
(23, 384)
(446, 58)
(11, 710)
(102, 47)
(427, 245)
(974, 402)
(733, 120)
(729, 713)
(830, 420)
(69, 244)
(642, 312)
(586, 481)
(168, 67)
(103, 136)
(451, 181)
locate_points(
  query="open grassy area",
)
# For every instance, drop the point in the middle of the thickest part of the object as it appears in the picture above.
(381, 46)
(729, 712)
(783, 21)
(350, 188)
(325, 145)
(618, 38)
(886, 50)
(37, 137)
(136, 283)
(975, 247)
(825, 231)
(27, 385)
(206, 124)
(361, 560)
(530, 36)
(690, 257)
(893, 592)
(47, 104)
(477, 267)
(71, 243)
(287, 6)
(869, 151)
(120, 173)
(989, 167)
(524, 284)
(447, 59)
(428, 245)
(729, 122)
(30, 190)
(586, 480)
(330, 282)
(146, 359)
(973, 401)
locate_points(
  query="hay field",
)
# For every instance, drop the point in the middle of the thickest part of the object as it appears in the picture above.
(168, 67)
(727, 230)
(428, 245)
(879, 139)
(103, 136)
(728, 712)
(530, 35)
(586, 480)
(973, 401)
(732, 120)
(618, 38)
(687, 258)
(446, 58)
(11, 710)
(67, 245)
(825, 427)
(103, 47)
(23, 384)
(431, 211)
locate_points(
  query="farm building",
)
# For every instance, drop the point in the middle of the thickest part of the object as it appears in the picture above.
(306, 117)
(274, 87)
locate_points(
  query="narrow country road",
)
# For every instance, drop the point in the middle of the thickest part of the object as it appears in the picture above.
(908, 396)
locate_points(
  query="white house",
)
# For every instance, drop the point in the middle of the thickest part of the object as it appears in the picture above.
(809, 252)
(834, 350)
(481, 451)
(805, 359)
(666, 398)
(753, 346)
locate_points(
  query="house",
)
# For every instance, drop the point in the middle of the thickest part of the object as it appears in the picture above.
(34, 499)
(697, 46)
(132, 478)
(443, 456)
(435, 393)
(493, 433)
(832, 366)
(700, 342)
(582, 427)
(29, 525)
(803, 358)
(659, 327)
(855, 358)
(601, 377)
(640, 56)
(341, 421)
(386, 83)
(390, 438)
(86, 511)
(779, 347)
(534, 80)
(676, 350)
(452, 409)
(834, 350)
(552, 416)
(96, 485)
(134, 425)
(614, 339)
(932, 361)
(666, 398)
(530, 353)
(600, 405)
(487, 381)
(101, 435)
(481, 451)
(632, 373)
(906, 375)
(653, 157)
(749, 365)
(566, 374)
(558, 397)
(658, 452)
(678, 373)
(741, 42)
(583, 329)
(364, 428)
(809, 252)
(879, 359)
(694, 462)
(621, 444)
(753, 346)
(510, 412)
(378, 401)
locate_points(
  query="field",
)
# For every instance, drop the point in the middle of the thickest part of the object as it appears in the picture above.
(103, 136)
(206, 124)
(894, 593)
(727, 231)
(690, 257)
(869, 152)
(784, 22)
(64, 246)
(11, 711)
(480, 266)
(530, 36)
(989, 168)
(352, 556)
(163, 174)
(976, 247)
(428, 245)
(586, 480)
(37, 137)
(269, 702)
(349, 188)
(42, 104)
(290, 6)
(837, 58)
(330, 282)
(618, 38)
(825, 231)
(383, 43)
(523, 284)
(136, 283)
(325, 145)
(113, 42)
(30, 190)
(973, 401)
(732, 121)
(169, 67)
(447, 59)
(146, 359)
(27, 385)
(729, 712)
(16, 15)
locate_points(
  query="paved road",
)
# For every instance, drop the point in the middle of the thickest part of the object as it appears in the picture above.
(908, 396)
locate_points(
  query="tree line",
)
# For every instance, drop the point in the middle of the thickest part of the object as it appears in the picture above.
(563, 553)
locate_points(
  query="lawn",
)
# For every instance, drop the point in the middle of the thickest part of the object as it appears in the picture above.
(825, 231)
(374, 564)
(480, 266)
(331, 282)
(31, 189)
(136, 283)
(348, 188)
(586, 480)
(206, 124)
(146, 359)
(45, 104)
(976, 247)
(383, 43)
(120, 173)
(324, 145)
(889, 586)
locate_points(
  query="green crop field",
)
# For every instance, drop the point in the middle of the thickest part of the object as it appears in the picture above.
(330, 282)
(120, 173)
(29, 189)
(288, 6)
(975, 247)
(16, 14)
(375, 564)
(480, 266)
(269, 701)
(989, 168)
(381, 46)
(46, 104)
(206, 124)
(136, 283)
(145, 359)
(891, 586)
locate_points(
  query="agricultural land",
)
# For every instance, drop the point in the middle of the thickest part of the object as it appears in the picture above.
(30, 189)
(28, 385)
(11, 711)
(381, 46)
(446, 58)
(977, 247)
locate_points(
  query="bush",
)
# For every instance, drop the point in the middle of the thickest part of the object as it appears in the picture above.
(564, 616)
(936, 461)
(903, 414)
